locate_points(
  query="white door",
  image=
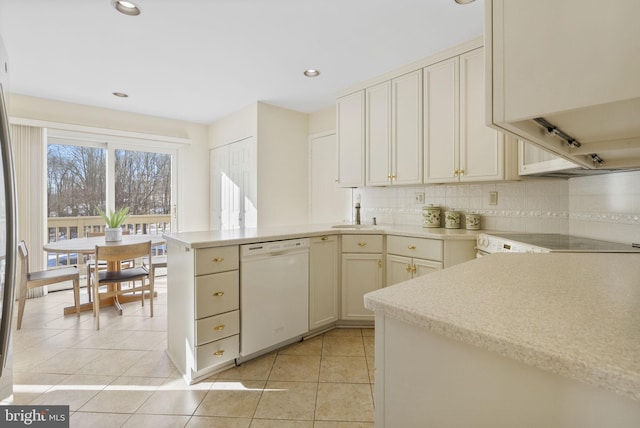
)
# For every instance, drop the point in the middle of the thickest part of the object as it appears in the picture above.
(233, 186)
(328, 202)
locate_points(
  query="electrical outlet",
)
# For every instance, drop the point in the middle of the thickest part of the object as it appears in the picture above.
(493, 198)
(419, 197)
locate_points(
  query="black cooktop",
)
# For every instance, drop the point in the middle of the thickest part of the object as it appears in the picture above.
(567, 243)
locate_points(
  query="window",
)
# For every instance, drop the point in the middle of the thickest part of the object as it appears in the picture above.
(82, 176)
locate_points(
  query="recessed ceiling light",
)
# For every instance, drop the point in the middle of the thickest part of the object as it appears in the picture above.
(312, 73)
(126, 7)
(464, 1)
(121, 95)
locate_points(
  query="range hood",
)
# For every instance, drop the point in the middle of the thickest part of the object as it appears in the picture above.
(567, 78)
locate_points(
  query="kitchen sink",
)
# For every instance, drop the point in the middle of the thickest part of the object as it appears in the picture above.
(353, 226)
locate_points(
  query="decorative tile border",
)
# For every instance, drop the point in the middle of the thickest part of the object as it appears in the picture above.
(616, 218)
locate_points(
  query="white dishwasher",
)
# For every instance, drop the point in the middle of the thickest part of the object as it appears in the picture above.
(274, 293)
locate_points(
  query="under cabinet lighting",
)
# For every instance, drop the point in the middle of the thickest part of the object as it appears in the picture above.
(464, 1)
(312, 73)
(121, 95)
(126, 7)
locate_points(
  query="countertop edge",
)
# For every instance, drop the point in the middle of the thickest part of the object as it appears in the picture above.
(202, 239)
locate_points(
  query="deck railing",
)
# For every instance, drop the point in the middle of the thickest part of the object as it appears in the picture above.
(60, 228)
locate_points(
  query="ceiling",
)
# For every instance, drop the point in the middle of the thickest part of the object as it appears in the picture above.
(200, 60)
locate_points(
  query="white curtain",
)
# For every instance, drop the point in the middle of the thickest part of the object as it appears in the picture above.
(30, 156)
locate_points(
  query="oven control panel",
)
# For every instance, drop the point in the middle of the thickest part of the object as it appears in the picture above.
(492, 244)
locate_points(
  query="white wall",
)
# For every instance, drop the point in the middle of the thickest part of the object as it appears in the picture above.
(283, 169)
(606, 207)
(193, 189)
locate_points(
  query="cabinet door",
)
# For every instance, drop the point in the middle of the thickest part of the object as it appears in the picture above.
(350, 125)
(398, 269)
(361, 273)
(323, 281)
(378, 134)
(441, 121)
(547, 68)
(422, 267)
(481, 147)
(406, 123)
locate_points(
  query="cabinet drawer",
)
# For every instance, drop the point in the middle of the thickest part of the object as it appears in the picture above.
(217, 293)
(217, 327)
(217, 352)
(362, 243)
(218, 259)
(430, 249)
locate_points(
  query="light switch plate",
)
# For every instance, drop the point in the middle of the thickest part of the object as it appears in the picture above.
(419, 198)
(493, 198)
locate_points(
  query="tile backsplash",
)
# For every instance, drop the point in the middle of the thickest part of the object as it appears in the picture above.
(600, 207)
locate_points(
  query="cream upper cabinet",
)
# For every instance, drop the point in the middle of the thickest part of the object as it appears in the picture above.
(575, 65)
(458, 144)
(441, 121)
(394, 131)
(406, 124)
(350, 122)
(481, 148)
(378, 134)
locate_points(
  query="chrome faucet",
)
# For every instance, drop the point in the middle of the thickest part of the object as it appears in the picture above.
(357, 212)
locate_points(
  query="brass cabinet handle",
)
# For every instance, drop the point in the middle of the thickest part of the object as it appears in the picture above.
(379, 263)
(462, 172)
(455, 172)
(324, 238)
(218, 294)
(408, 268)
(411, 247)
(219, 353)
(218, 260)
(219, 327)
(362, 244)
(415, 269)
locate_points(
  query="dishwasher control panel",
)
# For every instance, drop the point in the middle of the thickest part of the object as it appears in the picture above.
(273, 247)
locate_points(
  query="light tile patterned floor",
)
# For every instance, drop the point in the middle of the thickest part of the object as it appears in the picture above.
(120, 376)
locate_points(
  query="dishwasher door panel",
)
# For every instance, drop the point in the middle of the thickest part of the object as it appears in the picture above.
(274, 300)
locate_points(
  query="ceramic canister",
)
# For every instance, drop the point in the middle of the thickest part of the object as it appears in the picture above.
(472, 221)
(431, 216)
(452, 219)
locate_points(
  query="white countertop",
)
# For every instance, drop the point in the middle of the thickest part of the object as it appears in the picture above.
(237, 236)
(577, 315)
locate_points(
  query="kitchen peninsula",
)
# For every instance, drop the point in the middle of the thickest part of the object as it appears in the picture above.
(525, 340)
(206, 312)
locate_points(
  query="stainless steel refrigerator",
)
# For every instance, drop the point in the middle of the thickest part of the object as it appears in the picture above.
(8, 244)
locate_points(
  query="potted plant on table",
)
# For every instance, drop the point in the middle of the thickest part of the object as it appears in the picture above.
(114, 221)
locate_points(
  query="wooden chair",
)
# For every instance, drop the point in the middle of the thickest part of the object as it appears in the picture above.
(156, 261)
(91, 263)
(29, 280)
(116, 274)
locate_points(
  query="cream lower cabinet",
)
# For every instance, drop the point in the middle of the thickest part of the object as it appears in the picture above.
(203, 317)
(362, 272)
(409, 257)
(324, 270)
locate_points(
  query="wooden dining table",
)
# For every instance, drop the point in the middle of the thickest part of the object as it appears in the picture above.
(87, 246)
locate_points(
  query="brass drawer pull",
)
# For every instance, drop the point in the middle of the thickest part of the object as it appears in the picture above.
(219, 327)
(362, 244)
(218, 294)
(218, 260)
(324, 238)
(219, 353)
(411, 247)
